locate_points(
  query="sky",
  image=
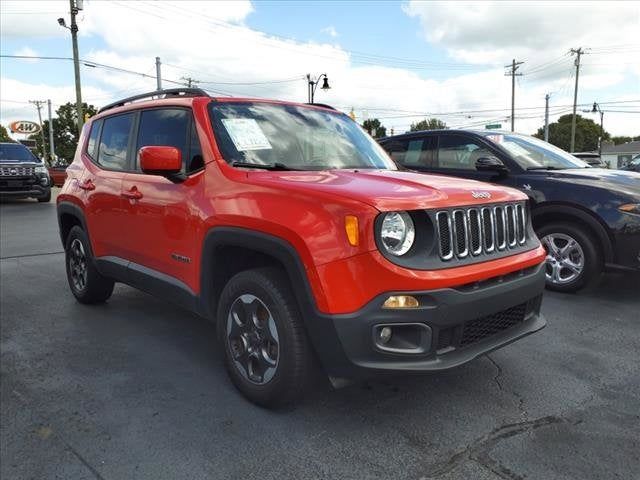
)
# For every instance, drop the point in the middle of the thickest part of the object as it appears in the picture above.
(396, 61)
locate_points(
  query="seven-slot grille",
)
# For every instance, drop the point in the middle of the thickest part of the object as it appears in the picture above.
(473, 231)
(17, 171)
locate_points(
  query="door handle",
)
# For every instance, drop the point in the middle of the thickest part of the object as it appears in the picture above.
(132, 194)
(87, 185)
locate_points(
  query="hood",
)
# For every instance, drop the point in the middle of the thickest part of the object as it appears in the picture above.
(621, 181)
(389, 190)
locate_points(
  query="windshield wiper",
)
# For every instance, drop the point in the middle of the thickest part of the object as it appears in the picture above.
(262, 166)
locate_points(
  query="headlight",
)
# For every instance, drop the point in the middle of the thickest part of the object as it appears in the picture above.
(397, 233)
(42, 169)
(630, 208)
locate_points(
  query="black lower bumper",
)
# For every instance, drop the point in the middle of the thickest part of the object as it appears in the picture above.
(456, 325)
(30, 191)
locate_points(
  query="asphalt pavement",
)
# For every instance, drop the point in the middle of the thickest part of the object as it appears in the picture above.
(135, 389)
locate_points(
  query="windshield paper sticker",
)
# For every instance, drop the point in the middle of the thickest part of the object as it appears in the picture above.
(246, 134)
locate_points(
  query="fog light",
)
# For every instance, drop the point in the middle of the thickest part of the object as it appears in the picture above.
(401, 301)
(44, 181)
(385, 334)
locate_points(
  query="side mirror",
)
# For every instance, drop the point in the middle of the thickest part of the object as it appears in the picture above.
(491, 164)
(160, 160)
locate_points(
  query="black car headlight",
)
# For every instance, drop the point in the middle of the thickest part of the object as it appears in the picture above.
(397, 233)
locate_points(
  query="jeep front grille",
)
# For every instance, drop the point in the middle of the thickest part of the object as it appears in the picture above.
(17, 171)
(474, 231)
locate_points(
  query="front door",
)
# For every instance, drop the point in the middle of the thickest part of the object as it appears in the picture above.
(161, 224)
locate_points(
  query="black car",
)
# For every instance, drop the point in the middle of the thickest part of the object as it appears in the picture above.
(587, 218)
(22, 175)
(592, 158)
(633, 165)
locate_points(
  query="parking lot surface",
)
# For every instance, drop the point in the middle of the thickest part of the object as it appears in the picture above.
(136, 388)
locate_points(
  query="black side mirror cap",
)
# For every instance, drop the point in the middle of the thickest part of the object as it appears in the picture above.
(491, 164)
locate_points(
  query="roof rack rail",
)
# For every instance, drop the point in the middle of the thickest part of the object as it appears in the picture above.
(178, 92)
(322, 105)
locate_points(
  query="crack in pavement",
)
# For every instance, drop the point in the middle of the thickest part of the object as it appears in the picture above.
(496, 379)
(479, 449)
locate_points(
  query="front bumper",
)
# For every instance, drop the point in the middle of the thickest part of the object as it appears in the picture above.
(463, 323)
(627, 243)
(30, 187)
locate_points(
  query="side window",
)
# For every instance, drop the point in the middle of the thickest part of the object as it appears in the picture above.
(114, 142)
(411, 153)
(457, 151)
(195, 160)
(93, 138)
(166, 127)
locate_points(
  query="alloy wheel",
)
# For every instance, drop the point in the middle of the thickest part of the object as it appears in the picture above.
(565, 258)
(78, 265)
(252, 338)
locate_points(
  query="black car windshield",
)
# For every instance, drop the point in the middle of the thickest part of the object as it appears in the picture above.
(16, 153)
(635, 161)
(292, 137)
(531, 153)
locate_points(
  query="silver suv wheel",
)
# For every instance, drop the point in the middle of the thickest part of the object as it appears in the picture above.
(565, 258)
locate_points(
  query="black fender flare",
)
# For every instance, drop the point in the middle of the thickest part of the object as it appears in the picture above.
(320, 329)
(68, 208)
(585, 217)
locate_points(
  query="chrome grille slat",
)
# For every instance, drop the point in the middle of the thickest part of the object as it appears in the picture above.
(474, 231)
(8, 171)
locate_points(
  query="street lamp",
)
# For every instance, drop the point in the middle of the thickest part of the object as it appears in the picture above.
(596, 109)
(313, 84)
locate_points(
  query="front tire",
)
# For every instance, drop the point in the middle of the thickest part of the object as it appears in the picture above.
(46, 198)
(573, 259)
(86, 283)
(266, 351)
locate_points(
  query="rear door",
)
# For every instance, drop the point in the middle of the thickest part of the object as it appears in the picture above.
(109, 158)
(161, 224)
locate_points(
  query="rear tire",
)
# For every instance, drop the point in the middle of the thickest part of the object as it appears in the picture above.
(86, 283)
(573, 258)
(266, 351)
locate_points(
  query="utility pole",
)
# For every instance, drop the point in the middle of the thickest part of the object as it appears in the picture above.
(158, 74)
(578, 52)
(514, 68)
(190, 81)
(52, 148)
(39, 104)
(546, 117)
(76, 5)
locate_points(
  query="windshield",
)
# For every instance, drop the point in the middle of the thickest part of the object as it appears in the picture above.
(16, 153)
(531, 153)
(635, 161)
(293, 137)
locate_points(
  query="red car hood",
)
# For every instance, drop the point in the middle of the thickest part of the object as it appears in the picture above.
(389, 190)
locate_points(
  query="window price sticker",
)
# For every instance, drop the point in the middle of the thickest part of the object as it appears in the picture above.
(246, 134)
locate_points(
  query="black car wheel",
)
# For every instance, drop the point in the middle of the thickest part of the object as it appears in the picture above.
(266, 351)
(86, 283)
(46, 198)
(573, 260)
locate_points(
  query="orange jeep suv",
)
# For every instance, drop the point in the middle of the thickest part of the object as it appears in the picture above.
(292, 229)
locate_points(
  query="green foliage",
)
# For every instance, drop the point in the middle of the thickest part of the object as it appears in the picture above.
(587, 133)
(428, 124)
(619, 140)
(4, 135)
(65, 132)
(375, 128)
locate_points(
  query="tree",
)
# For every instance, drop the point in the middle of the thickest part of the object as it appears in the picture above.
(587, 134)
(430, 124)
(4, 135)
(375, 128)
(65, 132)
(624, 139)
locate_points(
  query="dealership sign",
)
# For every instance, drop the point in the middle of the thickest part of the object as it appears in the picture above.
(24, 126)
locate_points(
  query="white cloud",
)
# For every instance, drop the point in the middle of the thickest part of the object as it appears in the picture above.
(210, 42)
(331, 31)
(27, 52)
